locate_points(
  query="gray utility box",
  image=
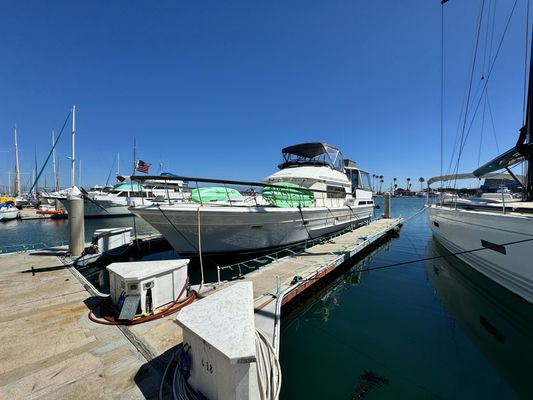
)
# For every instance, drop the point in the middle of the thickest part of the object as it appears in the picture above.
(220, 329)
(110, 238)
(158, 283)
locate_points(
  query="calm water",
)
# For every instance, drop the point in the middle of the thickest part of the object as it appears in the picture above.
(426, 330)
(19, 235)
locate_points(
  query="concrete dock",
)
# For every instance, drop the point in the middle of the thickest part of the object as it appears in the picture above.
(48, 346)
(50, 349)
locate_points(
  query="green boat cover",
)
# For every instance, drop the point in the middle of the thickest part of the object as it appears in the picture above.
(288, 195)
(208, 194)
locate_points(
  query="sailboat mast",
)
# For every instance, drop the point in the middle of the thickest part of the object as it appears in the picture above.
(36, 173)
(72, 158)
(79, 173)
(17, 168)
(118, 163)
(529, 129)
(54, 165)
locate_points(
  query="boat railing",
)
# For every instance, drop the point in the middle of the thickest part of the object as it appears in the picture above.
(244, 267)
(250, 191)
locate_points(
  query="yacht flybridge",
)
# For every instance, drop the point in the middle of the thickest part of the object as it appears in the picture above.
(315, 192)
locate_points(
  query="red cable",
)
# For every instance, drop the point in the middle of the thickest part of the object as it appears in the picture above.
(171, 309)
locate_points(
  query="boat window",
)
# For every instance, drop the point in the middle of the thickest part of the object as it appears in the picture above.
(337, 192)
(365, 180)
(312, 154)
(353, 176)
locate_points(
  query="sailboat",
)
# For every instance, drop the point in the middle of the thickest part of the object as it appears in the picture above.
(494, 237)
(314, 193)
(8, 211)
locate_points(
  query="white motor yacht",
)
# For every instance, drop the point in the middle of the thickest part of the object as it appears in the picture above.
(314, 193)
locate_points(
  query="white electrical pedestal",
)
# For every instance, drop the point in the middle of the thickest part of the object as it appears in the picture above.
(221, 332)
(111, 238)
(158, 283)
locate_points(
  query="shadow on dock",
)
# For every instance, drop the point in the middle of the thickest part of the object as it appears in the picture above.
(149, 383)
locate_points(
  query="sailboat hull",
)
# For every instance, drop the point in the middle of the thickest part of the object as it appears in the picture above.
(246, 229)
(7, 214)
(507, 264)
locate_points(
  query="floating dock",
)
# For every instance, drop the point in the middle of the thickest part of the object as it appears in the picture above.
(280, 281)
(49, 347)
(31, 213)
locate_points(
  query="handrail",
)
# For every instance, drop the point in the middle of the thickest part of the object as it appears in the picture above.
(180, 179)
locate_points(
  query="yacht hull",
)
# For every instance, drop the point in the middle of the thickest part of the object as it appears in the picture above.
(8, 214)
(246, 229)
(508, 265)
(106, 209)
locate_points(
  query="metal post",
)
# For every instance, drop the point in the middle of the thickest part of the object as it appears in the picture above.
(218, 274)
(76, 222)
(387, 200)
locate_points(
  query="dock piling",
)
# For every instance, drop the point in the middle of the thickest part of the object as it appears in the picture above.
(387, 208)
(76, 222)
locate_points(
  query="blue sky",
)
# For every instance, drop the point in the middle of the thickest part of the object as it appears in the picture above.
(217, 88)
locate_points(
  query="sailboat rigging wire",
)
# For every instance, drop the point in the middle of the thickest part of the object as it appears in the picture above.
(525, 62)
(441, 88)
(487, 80)
(470, 87)
(489, 247)
(50, 153)
(110, 172)
(492, 121)
(487, 77)
(482, 130)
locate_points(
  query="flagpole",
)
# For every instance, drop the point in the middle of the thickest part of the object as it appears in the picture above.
(134, 155)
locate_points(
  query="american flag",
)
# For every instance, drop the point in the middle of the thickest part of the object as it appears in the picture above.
(142, 166)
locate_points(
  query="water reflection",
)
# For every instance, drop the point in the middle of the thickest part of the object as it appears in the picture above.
(323, 298)
(497, 321)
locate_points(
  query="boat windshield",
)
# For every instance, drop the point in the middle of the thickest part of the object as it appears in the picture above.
(312, 154)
